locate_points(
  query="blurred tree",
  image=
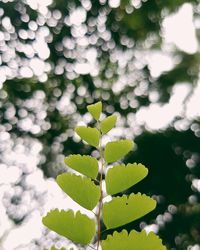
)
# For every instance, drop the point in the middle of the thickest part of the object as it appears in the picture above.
(58, 56)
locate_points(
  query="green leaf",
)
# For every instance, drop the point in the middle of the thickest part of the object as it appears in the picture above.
(108, 123)
(117, 149)
(122, 210)
(78, 228)
(80, 189)
(84, 164)
(54, 248)
(88, 134)
(121, 177)
(133, 241)
(95, 110)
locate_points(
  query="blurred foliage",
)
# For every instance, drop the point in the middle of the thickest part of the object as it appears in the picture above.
(58, 56)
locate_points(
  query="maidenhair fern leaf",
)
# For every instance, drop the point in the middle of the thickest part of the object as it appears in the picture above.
(54, 248)
(95, 110)
(80, 189)
(62, 248)
(90, 135)
(84, 164)
(78, 228)
(121, 177)
(133, 241)
(117, 149)
(129, 208)
(83, 190)
(108, 123)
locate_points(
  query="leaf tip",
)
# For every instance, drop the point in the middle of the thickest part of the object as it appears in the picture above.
(95, 110)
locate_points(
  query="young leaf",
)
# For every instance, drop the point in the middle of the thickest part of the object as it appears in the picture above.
(78, 228)
(80, 189)
(95, 110)
(121, 177)
(84, 164)
(90, 135)
(117, 149)
(108, 123)
(129, 208)
(133, 241)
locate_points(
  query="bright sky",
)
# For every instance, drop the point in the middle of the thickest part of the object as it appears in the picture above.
(159, 116)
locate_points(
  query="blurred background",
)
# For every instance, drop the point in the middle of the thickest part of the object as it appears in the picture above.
(141, 58)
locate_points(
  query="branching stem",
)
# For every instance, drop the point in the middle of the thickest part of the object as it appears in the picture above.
(101, 197)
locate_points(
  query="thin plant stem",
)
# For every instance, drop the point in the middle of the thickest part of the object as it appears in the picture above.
(94, 213)
(104, 231)
(101, 192)
(92, 247)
